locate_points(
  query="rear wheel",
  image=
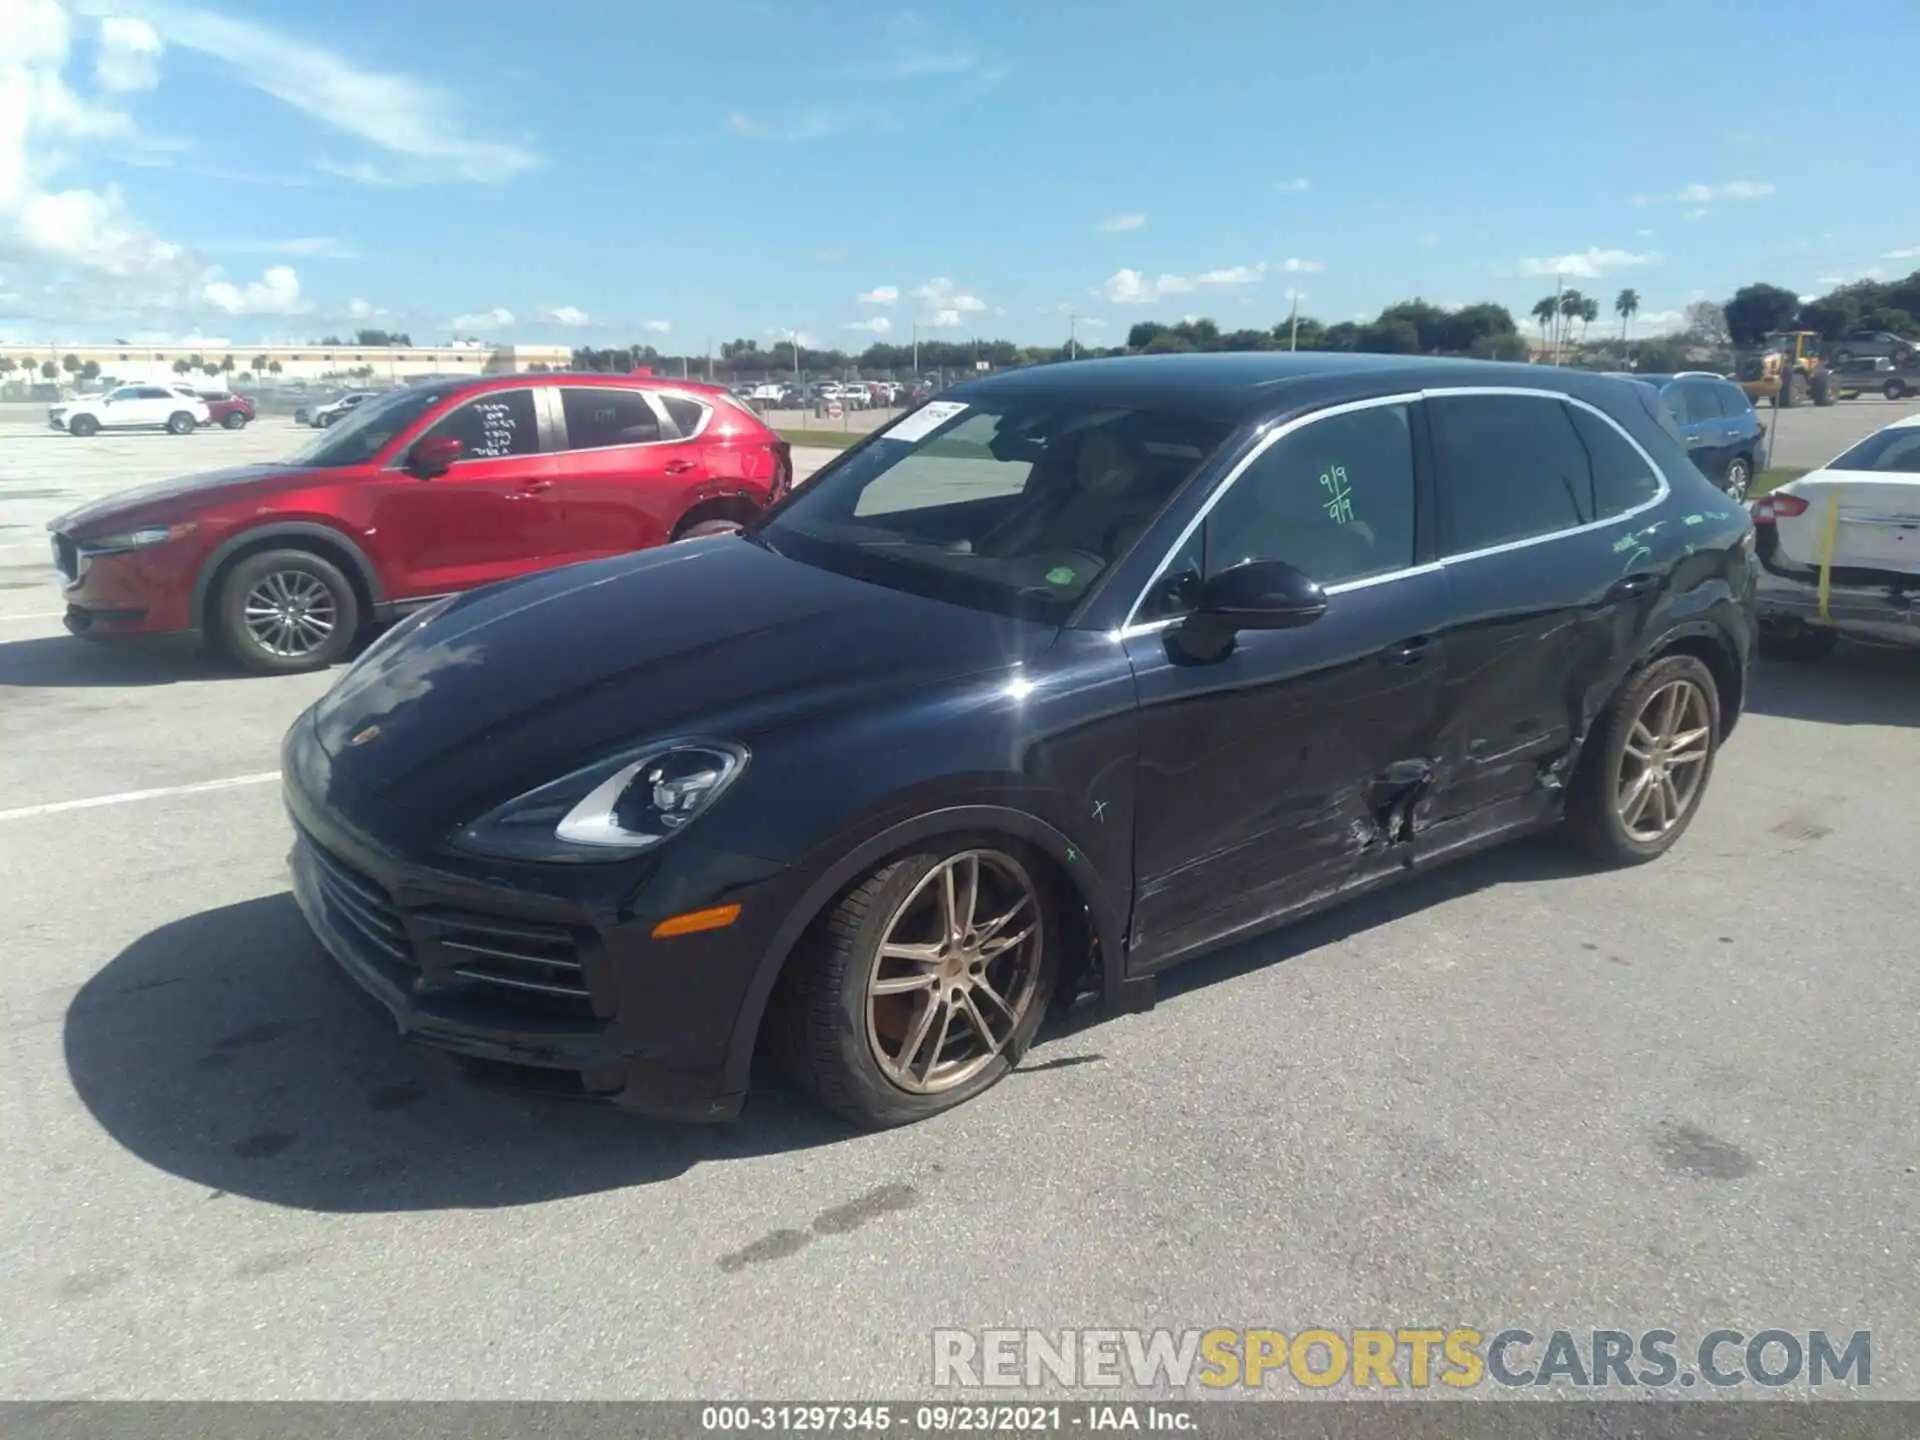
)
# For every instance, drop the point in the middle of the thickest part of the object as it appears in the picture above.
(1792, 390)
(235, 421)
(1650, 757)
(180, 423)
(1800, 645)
(83, 426)
(1894, 390)
(283, 612)
(1823, 387)
(925, 983)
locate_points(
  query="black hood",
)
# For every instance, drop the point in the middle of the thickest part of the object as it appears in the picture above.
(153, 504)
(520, 683)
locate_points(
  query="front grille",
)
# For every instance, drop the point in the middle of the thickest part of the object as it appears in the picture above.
(524, 958)
(522, 966)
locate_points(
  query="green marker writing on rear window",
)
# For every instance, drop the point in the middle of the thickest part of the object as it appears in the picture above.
(1060, 575)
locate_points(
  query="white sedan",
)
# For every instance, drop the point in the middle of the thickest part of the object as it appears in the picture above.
(1841, 547)
(131, 407)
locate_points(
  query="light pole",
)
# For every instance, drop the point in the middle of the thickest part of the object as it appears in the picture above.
(916, 349)
(1558, 291)
(1293, 323)
(1073, 338)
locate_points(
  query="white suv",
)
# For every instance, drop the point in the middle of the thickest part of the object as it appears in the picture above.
(131, 407)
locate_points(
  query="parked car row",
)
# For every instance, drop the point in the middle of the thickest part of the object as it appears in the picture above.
(1076, 674)
(179, 409)
(852, 394)
(1723, 434)
(321, 414)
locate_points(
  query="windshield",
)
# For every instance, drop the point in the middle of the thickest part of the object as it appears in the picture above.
(1013, 506)
(363, 430)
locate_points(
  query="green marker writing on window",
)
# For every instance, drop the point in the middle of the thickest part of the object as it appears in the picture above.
(1339, 502)
(1060, 575)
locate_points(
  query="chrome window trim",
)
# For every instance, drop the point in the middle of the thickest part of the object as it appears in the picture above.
(1128, 629)
(1504, 546)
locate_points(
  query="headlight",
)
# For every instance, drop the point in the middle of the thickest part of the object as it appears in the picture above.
(623, 805)
(135, 539)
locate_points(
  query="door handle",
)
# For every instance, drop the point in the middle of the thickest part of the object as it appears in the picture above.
(678, 467)
(534, 487)
(1407, 652)
(1633, 587)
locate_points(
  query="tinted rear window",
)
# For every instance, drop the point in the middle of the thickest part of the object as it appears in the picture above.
(597, 418)
(1894, 451)
(1511, 467)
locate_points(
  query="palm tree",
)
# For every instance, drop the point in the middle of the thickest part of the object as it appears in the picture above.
(182, 367)
(1626, 305)
(259, 363)
(1570, 303)
(226, 365)
(1589, 312)
(1544, 310)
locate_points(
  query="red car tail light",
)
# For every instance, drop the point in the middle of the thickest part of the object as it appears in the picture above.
(1769, 508)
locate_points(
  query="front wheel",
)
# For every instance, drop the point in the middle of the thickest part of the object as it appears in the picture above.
(923, 986)
(284, 612)
(1894, 390)
(235, 421)
(1739, 477)
(1650, 757)
(180, 423)
(83, 426)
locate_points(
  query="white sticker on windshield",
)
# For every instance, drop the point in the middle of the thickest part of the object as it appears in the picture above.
(924, 421)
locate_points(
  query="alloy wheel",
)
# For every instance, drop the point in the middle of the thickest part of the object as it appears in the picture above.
(1664, 760)
(1738, 479)
(956, 972)
(290, 613)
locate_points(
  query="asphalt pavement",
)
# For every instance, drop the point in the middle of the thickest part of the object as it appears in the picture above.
(1517, 1092)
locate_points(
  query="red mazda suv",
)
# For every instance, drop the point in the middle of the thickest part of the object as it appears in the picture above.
(427, 491)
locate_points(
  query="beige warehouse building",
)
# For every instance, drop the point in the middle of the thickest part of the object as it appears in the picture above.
(377, 365)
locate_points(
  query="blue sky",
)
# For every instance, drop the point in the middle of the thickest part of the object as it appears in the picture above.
(605, 171)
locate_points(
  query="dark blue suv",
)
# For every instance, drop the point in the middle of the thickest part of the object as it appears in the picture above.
(1723, 435)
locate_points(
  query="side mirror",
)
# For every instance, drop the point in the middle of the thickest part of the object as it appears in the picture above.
(1259, 595)
(432, 458)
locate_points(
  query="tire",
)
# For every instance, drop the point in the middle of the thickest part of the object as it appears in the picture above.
(323, 421)
(1801, 645)
(1738, 478)
(1894, 390)
(1596, 820)
(83, 426)
(235, 421)
(829, 1036)
(180, 423)
(1792, 390)
(295, 583)
(700, 529)
(1823, 387)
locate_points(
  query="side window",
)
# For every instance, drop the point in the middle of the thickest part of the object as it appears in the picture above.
(125, 392)
(1733, 401)
(1676, 397)
(1334, 499)
(687, 415)
(598, 418)
(1621, 478)
(1511, 467)
(493, 426)
(155, 393)
(1703, 400)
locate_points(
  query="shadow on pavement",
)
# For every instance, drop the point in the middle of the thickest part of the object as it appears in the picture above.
(226, 1049)
(62, 662)
(1859, 685)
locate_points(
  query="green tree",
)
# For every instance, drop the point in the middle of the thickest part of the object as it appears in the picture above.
(90, 370)
(1889, 317)
(273, 367)
(1144, 334)
(1389, 337)
(226, 365)
(1460, 331)
(1626, 305)
(1499, 347)
(1589, 312)
(1571, 303)
(1429, 322)
(183, 367)
(1832, 315)
(1756, 309)
(259, 363)
(70, 363)
(1246, 340)
(7, 366)
(47, 370)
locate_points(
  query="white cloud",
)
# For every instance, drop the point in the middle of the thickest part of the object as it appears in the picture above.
(880, 295)
(408, 118)
(875, 325)
(1698, 194)
(359, 309)
(941, 320)
(277, 292)
(805, 339)
(1658, 322)
(1304, 266)
(1296, 185)
(497, 318)
(1132, 287)
(129, 54)
(940, 297)
(1905, 252)
(1090, 322)
(1119, 224)
(566, 315)
(658, 327)
(1588, 264)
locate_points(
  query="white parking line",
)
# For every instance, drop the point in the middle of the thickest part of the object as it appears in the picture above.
(34, 615)
(27, 812)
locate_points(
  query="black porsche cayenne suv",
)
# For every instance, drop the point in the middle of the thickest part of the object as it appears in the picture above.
(1055, 682)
